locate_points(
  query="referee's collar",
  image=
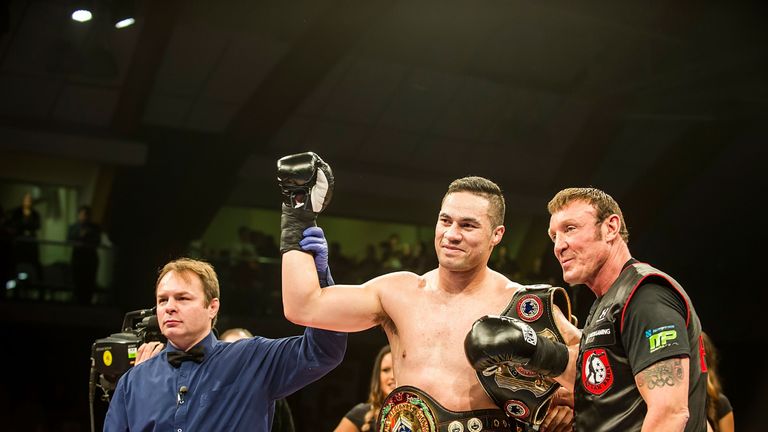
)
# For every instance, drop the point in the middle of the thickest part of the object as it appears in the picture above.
(207, 344)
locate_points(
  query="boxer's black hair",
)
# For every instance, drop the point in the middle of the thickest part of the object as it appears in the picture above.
(485, 188)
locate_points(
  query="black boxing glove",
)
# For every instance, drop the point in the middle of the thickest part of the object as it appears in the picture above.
(306, 183)
(496, 340)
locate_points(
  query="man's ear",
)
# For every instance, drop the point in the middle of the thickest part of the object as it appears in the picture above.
(613, 227)
(497, 235)
(213, 308)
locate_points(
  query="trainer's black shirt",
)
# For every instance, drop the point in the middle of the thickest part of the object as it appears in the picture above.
(645, 317)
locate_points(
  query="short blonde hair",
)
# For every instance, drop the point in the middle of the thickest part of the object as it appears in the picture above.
(603, 203)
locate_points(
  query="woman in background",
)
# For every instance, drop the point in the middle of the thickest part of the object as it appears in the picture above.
(362, 417)
(719, 410)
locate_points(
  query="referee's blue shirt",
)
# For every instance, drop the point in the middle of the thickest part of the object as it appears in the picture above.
(233, 389)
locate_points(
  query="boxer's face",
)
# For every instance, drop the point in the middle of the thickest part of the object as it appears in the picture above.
(579, 243)
(464, 236)
(181, 311)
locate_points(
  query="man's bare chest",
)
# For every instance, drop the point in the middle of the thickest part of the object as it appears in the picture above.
(444, 323)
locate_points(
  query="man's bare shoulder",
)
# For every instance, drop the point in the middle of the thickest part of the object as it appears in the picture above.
(398, 279)
(505, 283)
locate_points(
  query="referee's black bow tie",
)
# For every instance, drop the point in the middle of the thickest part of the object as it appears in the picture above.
(195, 354)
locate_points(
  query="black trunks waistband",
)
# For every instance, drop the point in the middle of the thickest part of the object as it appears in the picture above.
(409, 409)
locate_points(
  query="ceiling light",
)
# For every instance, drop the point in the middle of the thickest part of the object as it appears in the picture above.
(123, 13)
(82, 15)
(124, 23)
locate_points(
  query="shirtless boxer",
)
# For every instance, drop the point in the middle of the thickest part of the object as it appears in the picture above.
(426, 317)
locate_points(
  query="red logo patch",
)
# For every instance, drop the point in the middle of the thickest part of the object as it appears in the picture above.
(530, 308)
(596, 372)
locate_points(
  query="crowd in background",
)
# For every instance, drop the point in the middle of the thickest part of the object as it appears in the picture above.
(22, 273)
(249, 267)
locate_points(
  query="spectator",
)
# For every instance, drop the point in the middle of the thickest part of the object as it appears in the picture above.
(85, 236)
(6, 252)
(24, 223)
(719, 409)
(505, 264)
(362, 417)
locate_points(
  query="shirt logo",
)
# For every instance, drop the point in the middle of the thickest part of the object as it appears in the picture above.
(601, 332)
(596, 372)
(661, 337)
(603, 313)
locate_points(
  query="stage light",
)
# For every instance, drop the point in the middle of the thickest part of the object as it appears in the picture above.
(82, 15)
(82, 10)
(124, 23)
(123, 13)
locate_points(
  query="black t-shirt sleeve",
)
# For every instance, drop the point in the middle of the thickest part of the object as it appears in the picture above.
(654, 326)
(357, 414)
(723, 406)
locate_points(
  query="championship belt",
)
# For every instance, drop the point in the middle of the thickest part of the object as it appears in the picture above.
(523, 394)
(408, 409)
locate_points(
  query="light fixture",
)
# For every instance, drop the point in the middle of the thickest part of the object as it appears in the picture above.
(125, 23)
(82, 10)
(82, 15)
(123, 13)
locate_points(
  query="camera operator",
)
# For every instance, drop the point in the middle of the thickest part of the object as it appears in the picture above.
(223, 386)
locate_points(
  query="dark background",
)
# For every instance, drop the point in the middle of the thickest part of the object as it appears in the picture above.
(662, 105)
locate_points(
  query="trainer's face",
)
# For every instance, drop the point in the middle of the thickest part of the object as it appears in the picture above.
(579, 243)
(387, 374)
(181, 311)
(464, 236)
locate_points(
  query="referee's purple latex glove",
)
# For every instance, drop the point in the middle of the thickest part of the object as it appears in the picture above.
(314, 242)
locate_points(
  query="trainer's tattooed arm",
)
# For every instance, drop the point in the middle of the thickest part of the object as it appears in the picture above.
(664, 387)
(664, 373)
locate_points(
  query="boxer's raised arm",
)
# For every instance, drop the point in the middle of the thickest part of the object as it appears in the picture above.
(306, 183)
(339, 307)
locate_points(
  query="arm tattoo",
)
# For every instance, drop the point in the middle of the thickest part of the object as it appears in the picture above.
(664, 373)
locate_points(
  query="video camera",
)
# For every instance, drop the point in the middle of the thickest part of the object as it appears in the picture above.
(114, 355)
